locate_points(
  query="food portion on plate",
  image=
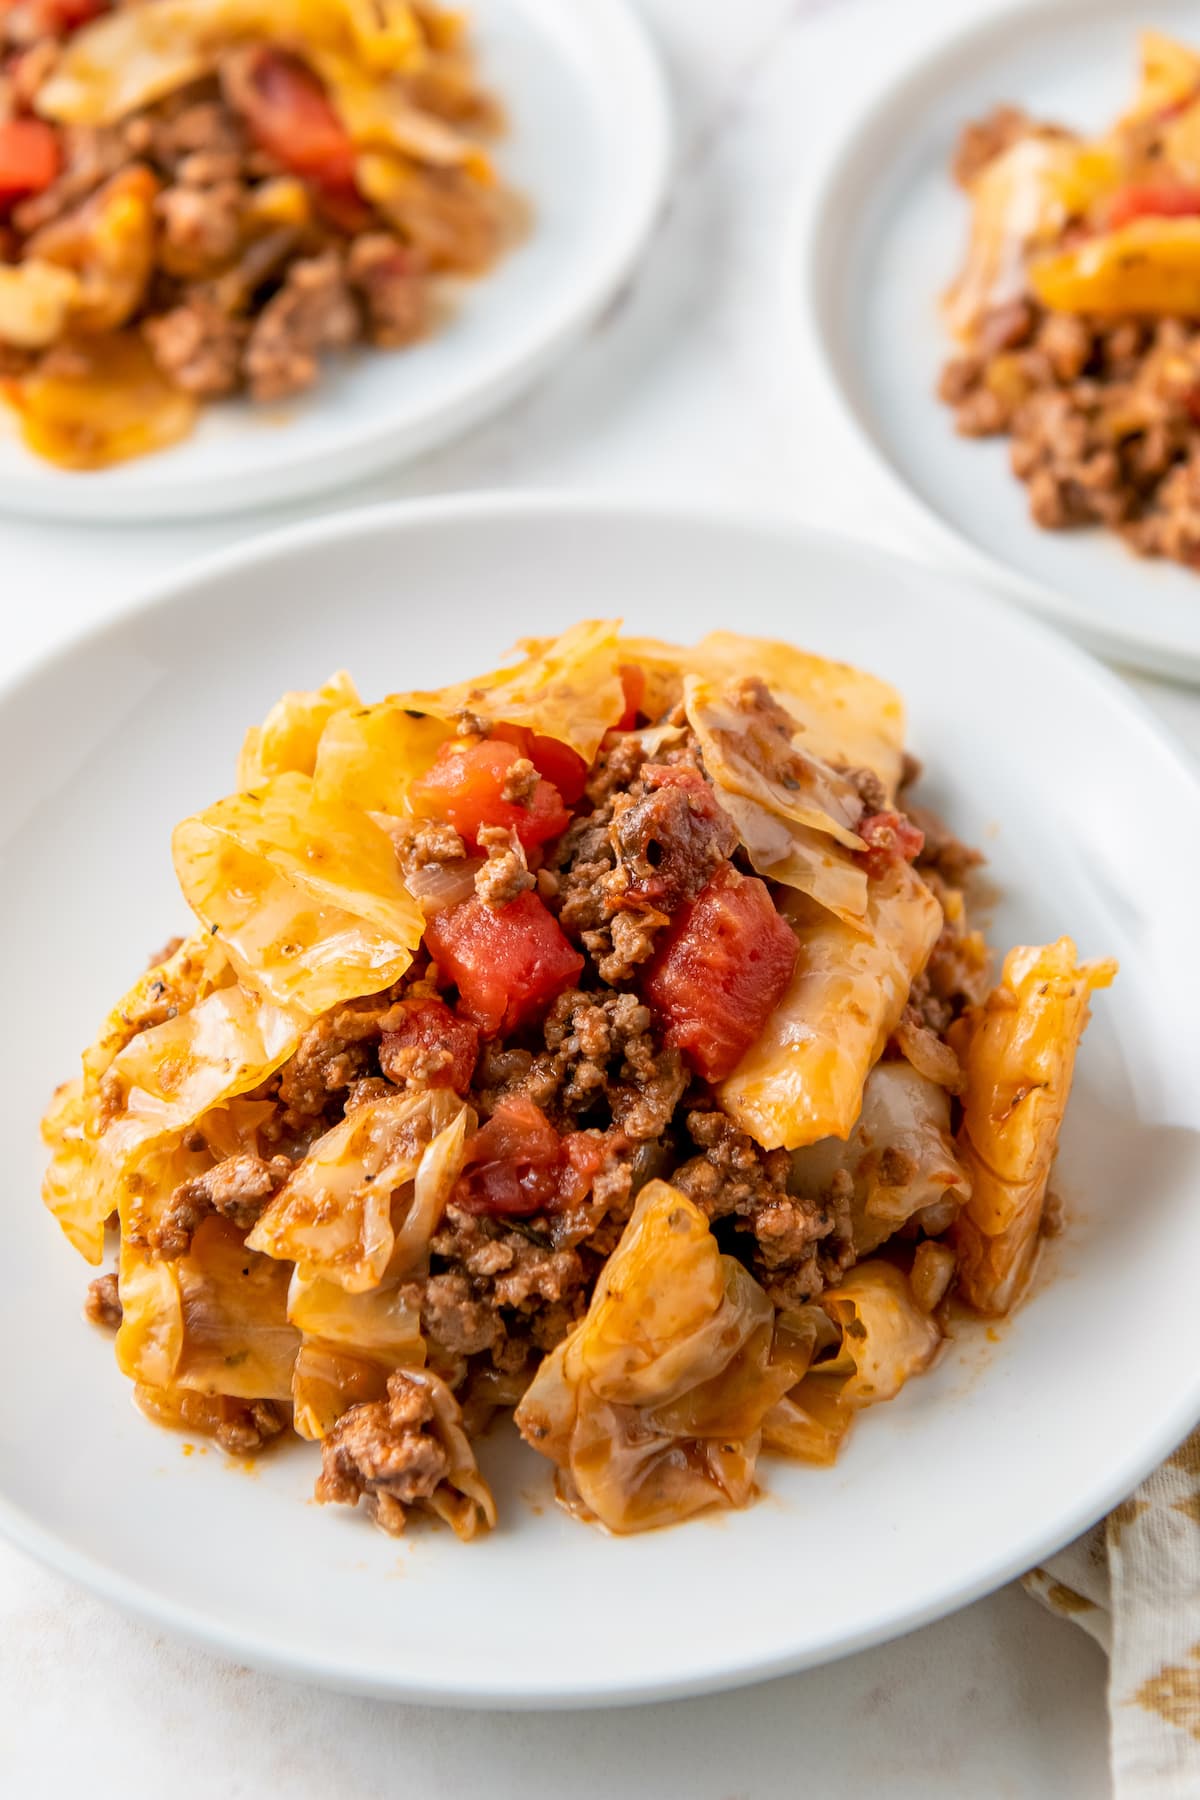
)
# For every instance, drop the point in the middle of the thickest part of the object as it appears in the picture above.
(1078, 309)
(603, 1040)
(201, 198)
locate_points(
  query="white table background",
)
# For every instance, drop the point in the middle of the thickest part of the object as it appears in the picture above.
(685, 389)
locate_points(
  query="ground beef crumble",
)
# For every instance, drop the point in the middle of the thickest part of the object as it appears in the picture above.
(386, 1452)
(653, 838)
(238, 1188)
(103, 1303)
(799, 1245)
(249, 1425)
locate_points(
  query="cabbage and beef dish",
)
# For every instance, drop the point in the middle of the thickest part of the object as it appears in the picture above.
(202, 198)
(603, 1040)
(1078, 309)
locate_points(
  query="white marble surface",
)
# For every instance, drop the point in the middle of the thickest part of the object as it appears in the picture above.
(688, 388)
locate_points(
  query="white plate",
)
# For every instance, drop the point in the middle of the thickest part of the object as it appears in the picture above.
(997, 1457)
(881, 238)
(588, 145)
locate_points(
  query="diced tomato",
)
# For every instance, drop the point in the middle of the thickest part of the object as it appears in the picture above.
(465, 785)
(430, 1025)
(721, 971)
(557, 762)
(71, 14)
(890, 837)
(517, 1164)
(633, 682)
(29, 157)
(58, 18)
(508, 962)
(290, 116)
(585, 1155)
(512, 1163)
(1153, 199)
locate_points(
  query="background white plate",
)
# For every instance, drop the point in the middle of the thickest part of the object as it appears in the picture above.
(879, 241)
(587, 145)
(1003, 1452)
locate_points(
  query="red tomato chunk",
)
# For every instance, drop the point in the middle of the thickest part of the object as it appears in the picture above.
(721, 971)
(290, 116)
(633, 683)
(557, 762)
(890, 837)
(429, 1027)
(1153, 199)
(465, 785)
(508, 963)
(29, 157)
(517, 1164)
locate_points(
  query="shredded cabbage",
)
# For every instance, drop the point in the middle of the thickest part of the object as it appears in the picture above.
(36, 297)
(848, 717)
(370, 756)
(1018, 1051)
(652, 1407)
(215, 1320)
(900, 1155)
(287, 740)
(885, 1340)
(304, 895)
(566, 687)
(136, 55)
(803, 1080)
(156, 1087)
(795, 815)
(352, 1206)
(351, 1343)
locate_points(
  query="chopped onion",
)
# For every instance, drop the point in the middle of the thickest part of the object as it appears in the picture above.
(441, 885)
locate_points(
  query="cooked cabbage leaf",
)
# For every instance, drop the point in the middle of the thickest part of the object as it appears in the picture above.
(1168, 75)
(370, 757)
(795, 815)
(162, 1082)
(849, 718)
(304, 895)
(288, 737)
(352, 1205)
(351, 1344)
(885, 1340)
(803, 1080)
(1021, 201)
(136, 55)
(652, 1407)
(1150, 266)
(214, 1320)
(900, 1156)
(380, 114)
(565, 687)
(1018, 1051)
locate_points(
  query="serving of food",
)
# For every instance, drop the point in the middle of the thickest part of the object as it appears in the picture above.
(202, 198)
(1077, 310)
(603, 1040)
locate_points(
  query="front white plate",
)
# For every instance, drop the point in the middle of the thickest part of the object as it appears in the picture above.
(588, 147)
(1016, 1440)
(879, 243)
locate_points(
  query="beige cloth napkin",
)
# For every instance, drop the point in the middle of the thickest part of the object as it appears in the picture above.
(1133, 1583)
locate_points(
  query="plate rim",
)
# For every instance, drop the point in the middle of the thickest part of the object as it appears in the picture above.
(532, 507)
(373, 451)
(805, 308)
